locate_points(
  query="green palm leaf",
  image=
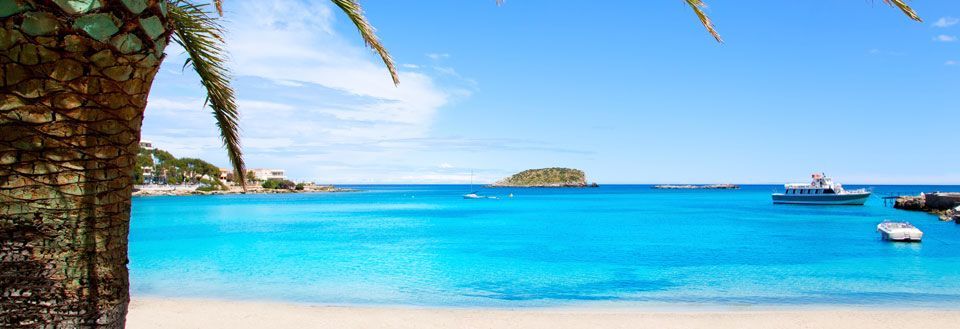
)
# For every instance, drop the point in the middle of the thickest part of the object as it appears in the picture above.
(905, 9)
(698, 6)
(202, 38)
(355, 13)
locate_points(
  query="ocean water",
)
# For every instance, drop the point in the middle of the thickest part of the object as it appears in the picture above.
(423, 245)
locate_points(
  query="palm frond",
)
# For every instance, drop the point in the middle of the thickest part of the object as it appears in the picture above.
(353, 10)
(905, 9)
(219, 5)
(698, 6)
(201, 36)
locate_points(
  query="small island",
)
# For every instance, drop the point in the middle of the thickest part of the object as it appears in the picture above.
(546, 177)
(697, 187)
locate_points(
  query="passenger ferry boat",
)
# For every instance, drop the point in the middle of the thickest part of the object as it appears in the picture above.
(822, 191)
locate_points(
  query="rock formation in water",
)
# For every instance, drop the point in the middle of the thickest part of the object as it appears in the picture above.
(941, 204)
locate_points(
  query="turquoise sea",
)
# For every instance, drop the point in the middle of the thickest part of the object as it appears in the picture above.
(423, 245)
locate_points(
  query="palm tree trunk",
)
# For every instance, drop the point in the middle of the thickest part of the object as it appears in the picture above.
(74, 78)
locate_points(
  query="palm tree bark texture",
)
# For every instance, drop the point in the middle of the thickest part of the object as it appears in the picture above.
(74, 78)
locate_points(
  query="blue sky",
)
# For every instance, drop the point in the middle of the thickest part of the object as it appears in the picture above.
(630, 92)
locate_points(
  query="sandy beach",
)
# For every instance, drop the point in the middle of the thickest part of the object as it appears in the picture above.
(215, 314)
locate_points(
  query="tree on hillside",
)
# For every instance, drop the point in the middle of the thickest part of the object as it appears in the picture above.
(74, 80)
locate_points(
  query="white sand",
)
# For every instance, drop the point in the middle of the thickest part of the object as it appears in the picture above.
(210, 314)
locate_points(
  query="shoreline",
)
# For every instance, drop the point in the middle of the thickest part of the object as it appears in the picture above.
(236, 190)
(162, 312)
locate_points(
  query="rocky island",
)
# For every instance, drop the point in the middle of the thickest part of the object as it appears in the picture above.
(546, 177)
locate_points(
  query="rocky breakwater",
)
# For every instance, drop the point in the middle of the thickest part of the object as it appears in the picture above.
(942, 204)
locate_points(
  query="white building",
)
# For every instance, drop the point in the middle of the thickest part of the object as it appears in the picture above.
(147, 174)
(148, 145)
(267, 174)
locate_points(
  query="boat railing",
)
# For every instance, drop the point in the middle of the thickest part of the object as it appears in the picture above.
(801, 186)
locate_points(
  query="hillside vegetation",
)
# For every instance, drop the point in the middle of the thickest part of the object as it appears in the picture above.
(546, 177)
(168, 169)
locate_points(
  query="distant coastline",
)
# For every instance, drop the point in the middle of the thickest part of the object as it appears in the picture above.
(183, 190)
(696, 187)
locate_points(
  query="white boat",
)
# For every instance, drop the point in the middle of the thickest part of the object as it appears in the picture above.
(821, 191)
(899, 231)
(472, 196)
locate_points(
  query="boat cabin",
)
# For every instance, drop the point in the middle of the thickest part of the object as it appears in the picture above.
(821, 191)
(820, 185)
(808, 189)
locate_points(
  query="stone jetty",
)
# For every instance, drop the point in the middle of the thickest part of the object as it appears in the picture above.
(942, 204)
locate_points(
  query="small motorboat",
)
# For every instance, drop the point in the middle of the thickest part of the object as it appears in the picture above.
(899, 231)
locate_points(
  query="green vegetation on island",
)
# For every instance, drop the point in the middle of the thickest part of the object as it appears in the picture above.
(546, 177)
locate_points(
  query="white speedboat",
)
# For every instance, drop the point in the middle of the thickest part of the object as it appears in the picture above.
(899, 231)
(822, 191)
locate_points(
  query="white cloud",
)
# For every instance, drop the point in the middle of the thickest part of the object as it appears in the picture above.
(950, 63)
(251, 105)
(438, 56)
(308, 97)
(287, 41)
(288, 83)
(945, 38)
(946, 22)
(322, 106)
